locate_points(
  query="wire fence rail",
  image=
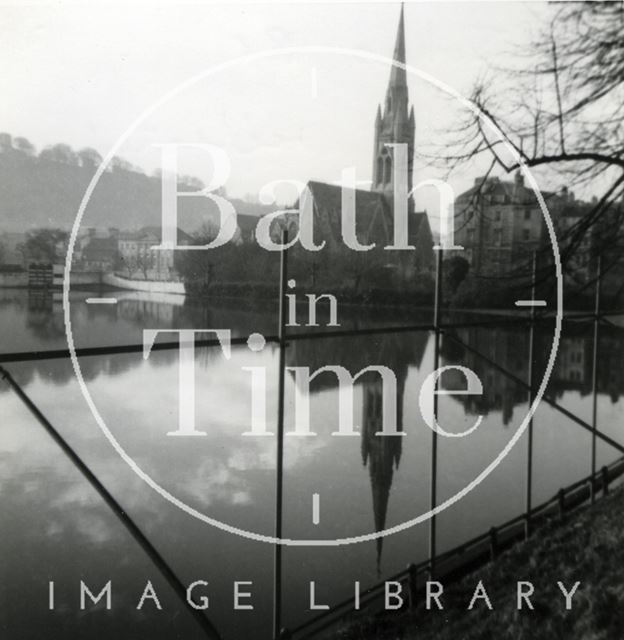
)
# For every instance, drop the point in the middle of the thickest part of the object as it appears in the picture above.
(496, 538)
(135, 531)
(449, 564)
(457, 562)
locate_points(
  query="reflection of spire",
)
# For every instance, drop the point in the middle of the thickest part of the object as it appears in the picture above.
(382, 453)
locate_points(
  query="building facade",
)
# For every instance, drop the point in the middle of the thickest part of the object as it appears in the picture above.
(137, 257)
(500, 225)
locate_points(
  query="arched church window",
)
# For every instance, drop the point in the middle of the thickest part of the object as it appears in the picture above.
(387, 170)
(380, 167)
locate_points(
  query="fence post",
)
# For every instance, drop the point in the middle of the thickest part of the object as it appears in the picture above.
(595, 378)
(493, 543)
(605, 481)
(277, 558)
(561, 501)
(411, 584)
(529, 470)
(434, 435)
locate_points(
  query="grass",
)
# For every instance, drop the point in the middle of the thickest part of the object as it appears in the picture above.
(587, 547)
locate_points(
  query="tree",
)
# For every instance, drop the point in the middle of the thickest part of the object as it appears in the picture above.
(61, 153)
(561, 112)
(6, 142)
(365, 269)
(119, 164)
(143, 263)
(130, 263)
(197, 268)
(43, 245)
(24, 145)
(455, 271)
(89, 158)
(192, 181)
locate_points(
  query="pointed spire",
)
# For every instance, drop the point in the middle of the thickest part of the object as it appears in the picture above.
(398, 76)
(396, 124)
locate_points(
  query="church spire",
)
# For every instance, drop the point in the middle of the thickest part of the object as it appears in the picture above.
(396, 124)
(398, 76)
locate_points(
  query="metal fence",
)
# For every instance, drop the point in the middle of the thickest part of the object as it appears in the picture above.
(468, 555)
(449, 564)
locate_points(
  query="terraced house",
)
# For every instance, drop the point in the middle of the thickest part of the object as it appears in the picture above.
(500, 224)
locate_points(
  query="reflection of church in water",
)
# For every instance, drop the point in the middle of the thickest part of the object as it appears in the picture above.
(381, 454)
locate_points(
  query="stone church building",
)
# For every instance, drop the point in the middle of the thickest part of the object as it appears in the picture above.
(394, 123)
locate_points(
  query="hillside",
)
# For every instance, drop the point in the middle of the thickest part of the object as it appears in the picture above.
(46, 191)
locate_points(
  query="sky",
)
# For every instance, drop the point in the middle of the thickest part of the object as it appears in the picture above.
(82, 73)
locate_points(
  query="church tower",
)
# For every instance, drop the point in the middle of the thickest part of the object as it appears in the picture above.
(395, 124)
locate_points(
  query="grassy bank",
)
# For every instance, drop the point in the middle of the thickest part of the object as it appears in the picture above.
(587, 547)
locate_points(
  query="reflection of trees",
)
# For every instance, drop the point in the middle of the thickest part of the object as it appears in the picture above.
(12, 298)
(573, 370)
(44, 320)
(610, 359)
(509, 348)
(41, 319)
(59, 372)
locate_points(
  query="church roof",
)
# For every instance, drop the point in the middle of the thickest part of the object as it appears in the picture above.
(99, 248)
(374, 212)
(372, 217)
(331, 195)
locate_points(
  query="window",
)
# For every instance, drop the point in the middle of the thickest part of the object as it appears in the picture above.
(527, 214)
(387, 170)
(526, 234)
(497, 215)
(498, 236)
